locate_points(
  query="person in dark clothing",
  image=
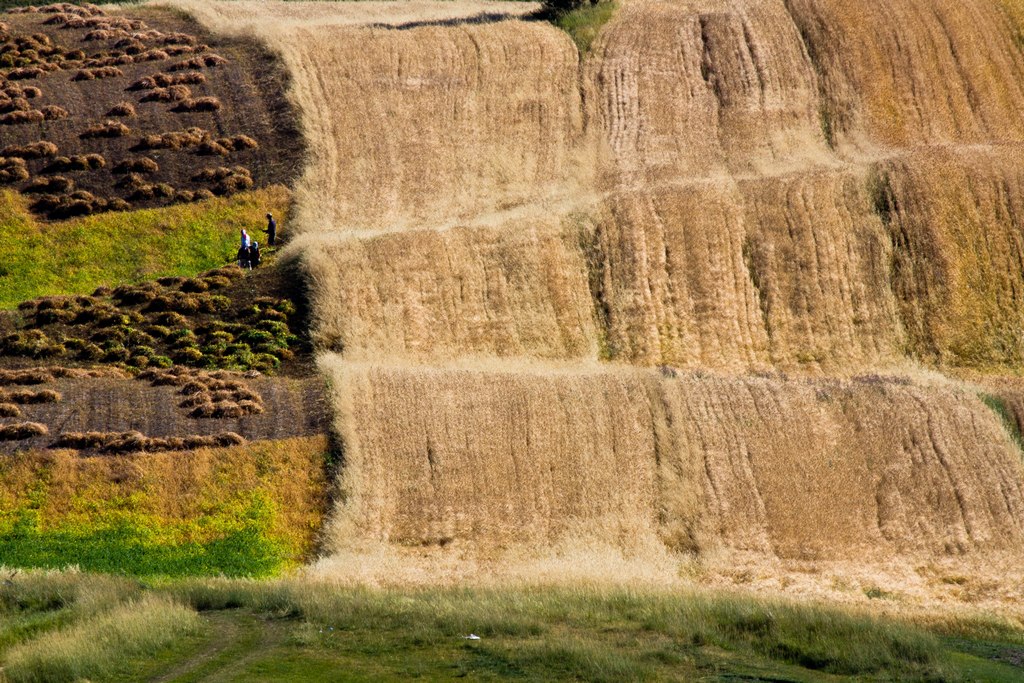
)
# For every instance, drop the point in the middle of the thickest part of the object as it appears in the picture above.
(243, 258)
(254, 255)
(271, 230)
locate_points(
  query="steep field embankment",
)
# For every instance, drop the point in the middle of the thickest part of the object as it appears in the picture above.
(724, 181)
(748, 187)
(416, 119)
(517, 290)
(803, 192)
(815, 469)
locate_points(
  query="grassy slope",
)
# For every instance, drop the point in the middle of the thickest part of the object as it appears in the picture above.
(246, 511)
(76, 256)
(300, 631)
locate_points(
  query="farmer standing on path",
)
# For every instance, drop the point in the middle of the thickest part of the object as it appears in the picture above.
(271, 230)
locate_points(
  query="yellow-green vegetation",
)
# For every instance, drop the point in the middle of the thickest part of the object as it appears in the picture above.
(75, 256)
(95, 648)
(584, 23)
(244, 511)
(303, 630)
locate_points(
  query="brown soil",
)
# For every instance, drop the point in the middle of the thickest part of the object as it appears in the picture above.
(249, 87)
(292, 408)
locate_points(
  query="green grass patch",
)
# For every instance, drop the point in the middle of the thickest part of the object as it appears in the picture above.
(76, 256)
(999, 407)
(235, 546)
(583, 24)
(294, 630)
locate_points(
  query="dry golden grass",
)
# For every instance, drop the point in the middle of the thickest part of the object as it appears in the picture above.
(798, 469)
(912, 73)
(515, 291)
(816, 186)
(423, 126)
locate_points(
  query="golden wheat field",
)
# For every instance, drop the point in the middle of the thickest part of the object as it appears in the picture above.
(702, 302)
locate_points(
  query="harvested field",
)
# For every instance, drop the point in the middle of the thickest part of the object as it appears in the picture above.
(804, 186)
(291, 408)
(82, 71)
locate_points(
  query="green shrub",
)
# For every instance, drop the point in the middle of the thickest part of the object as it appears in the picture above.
(116, 354)
(174, 320)
(265, 362)
(189, 356)
(160, 362)
(257, 337)
(581, 19)
(214, 303)
(90, 352)
(144, 350)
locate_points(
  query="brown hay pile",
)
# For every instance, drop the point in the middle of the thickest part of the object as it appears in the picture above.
(54, 113)
(107, 129)
(50, 185)
(43, 375)
(136, 442)
(237, 143)
(179, 38)
(104, 34)
(78, 162)
(199, 104)
(152, 56)
(173, 140)
(162, 80)
(28, 397)
(122, 109)
(173, 93)
(15, 104)
(99, 73)
(130, 45)
(22, 430)
(212, 148)
(26, 73)
(226, 180)
(137, 165)
(22, 117)
(210, 60)
(9, 410)
(13, 170)
(218, 395)
(34, 150)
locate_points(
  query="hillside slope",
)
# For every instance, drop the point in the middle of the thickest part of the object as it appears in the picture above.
(753, 189)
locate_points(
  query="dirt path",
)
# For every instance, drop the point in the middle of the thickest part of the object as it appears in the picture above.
(237, 639)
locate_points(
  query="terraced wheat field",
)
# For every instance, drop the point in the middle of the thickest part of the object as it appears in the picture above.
(692, 351)
(736, 282)
(738, 286)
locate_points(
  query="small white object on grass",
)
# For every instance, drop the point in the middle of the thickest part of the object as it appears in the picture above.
(471, 636)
